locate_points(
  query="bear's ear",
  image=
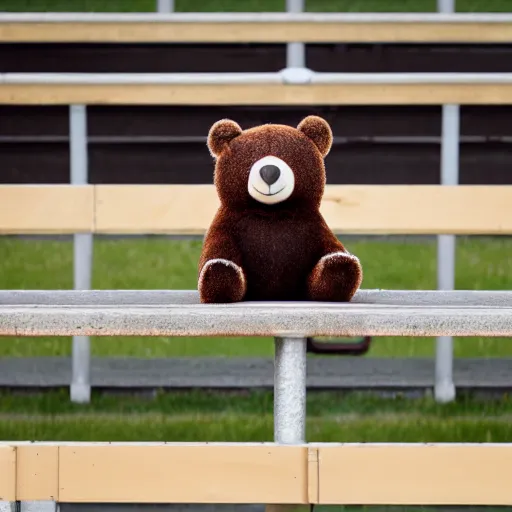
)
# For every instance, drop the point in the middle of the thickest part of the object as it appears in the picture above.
(319, 131)
(222, 133)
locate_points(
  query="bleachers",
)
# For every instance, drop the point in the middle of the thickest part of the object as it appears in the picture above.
(289, 471)
(82, 209)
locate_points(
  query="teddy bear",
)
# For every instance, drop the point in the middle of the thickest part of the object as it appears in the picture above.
(268, 240)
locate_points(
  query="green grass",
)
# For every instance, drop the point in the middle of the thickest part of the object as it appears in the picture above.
(250, 5)
(201, 416)
(249, 428)
(155, 263)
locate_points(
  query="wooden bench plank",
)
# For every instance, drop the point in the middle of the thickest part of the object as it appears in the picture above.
(189, 209)
(7, 473)
(361, 209)
(267, 94)
(37, 472)
(182, 473)
(255, 28)
(51, 209)
(415, 474)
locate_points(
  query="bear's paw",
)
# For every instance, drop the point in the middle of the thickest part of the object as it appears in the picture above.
(221, 281)
(335, 278)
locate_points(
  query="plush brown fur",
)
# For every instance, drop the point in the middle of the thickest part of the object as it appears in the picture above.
(282, 251)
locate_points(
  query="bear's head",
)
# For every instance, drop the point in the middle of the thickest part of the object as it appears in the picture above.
(272, 165)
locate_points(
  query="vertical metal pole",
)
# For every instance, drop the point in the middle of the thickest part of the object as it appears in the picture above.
(38, 506)
(289, 399)
(295, 52)
(165, 6)
(446, 6)
(290, 391)
(82, 257)
(444, 386)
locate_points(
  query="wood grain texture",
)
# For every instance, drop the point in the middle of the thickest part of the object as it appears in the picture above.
(419, 209)
(50, 209)
(177, 209)
(37, 472)
(415, 474)
(198, 473)
(257, 94)
(313, 480)
(7, 473)
(324, 473)
(189, 209)
(255, 32)
(362, 209)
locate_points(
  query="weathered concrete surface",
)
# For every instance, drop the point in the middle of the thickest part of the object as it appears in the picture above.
(245, 373)
(164, 297)
(287, 319)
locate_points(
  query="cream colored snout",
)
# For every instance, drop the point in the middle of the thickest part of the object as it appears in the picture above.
(271, 180)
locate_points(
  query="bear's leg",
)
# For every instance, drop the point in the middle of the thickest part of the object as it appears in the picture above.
(221, 280)
(335, 278)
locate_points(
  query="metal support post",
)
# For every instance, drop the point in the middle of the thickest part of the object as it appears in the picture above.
(82, 255)
(164, 6)
(289, 399)
(444, 386)
(38, 506)
(295, 52)
(446, 6)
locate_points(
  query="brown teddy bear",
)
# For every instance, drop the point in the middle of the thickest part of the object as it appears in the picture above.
(268, 239)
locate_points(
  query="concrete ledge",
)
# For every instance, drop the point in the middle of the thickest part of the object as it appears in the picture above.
(166, 297)
(292, 319)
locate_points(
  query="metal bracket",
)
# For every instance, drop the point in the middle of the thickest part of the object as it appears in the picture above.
(357, 348)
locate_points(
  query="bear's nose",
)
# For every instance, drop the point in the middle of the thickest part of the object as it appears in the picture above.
(270, 174)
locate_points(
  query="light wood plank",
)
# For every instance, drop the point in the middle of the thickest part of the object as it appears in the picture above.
(37, 472)
(7, 473)
(258, 94)
(189, 209)
(419, 209)
(159, 209)
(254, 32)
(416, 474)
(313, 481)
(361, 209)
(60, 209)
(198, 473)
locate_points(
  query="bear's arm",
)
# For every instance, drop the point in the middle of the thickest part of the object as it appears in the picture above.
(221, 275)
(337, 274)
(328, 242)
(220, 243)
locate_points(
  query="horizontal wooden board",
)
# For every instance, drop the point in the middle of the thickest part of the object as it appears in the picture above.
(361, 209)
(323, 473)
(415, 474)
(7, 473)
(255, 32)
(37, 468)
(52, 209)
(257, 94)
(177, 209)
(419, 209)
(168, 473)
(189, 209)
